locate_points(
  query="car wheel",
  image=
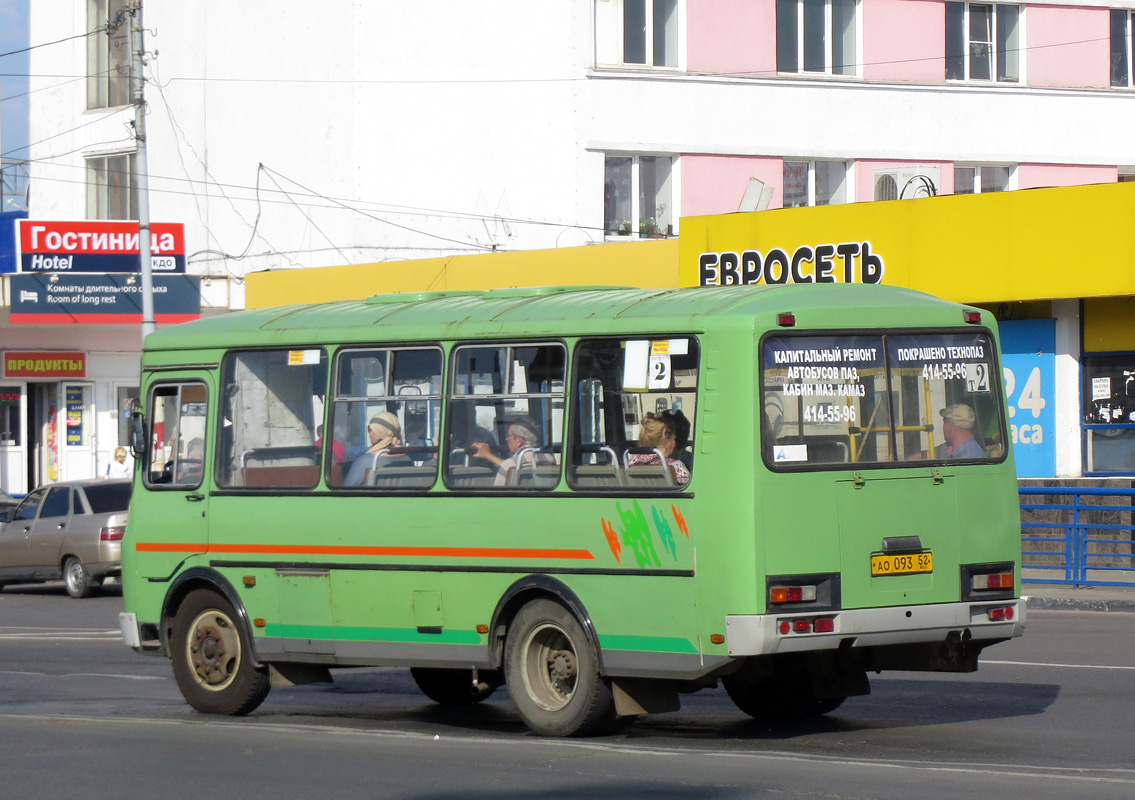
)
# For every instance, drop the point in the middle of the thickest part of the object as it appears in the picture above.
(453, 687)
(211, 657)
(77, 579)
(552, 673)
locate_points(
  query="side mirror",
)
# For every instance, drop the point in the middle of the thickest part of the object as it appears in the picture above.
(137, 434)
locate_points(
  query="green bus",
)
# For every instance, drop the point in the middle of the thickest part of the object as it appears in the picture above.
(599, 497)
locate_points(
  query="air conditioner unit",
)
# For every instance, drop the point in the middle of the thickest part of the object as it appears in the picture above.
(906, 182)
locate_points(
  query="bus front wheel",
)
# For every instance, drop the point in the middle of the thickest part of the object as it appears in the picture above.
(552, 672)
(211, 657)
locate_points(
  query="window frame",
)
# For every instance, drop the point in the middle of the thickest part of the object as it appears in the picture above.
(452, 399)
(635, 228)
(799, 50)
(611, 35)
(574, 434)
(848, 181)
(109, 77)
(998, 56)
(888, 393)
(150, 416)
(1010, 181)
(1109, 430)
(104, 199)
(223, 400)
(333, 398)
(1127, 51)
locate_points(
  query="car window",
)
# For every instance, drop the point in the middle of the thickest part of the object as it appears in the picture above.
(30, 505)
(57, 504)
(107, 498)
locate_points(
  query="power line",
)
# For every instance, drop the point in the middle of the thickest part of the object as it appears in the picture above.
(102, 29)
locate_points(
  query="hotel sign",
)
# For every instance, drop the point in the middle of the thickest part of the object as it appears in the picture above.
(98, 246)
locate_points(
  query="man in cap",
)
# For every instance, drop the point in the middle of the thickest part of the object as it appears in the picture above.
(957, 428)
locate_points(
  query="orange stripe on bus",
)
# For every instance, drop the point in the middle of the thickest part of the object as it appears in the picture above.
(331, 550)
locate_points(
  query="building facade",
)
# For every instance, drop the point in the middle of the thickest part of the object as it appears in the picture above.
(286, 137)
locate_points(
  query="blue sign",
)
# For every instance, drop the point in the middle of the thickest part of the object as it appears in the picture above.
(8, 259)
(101, 299)
(1029, 358)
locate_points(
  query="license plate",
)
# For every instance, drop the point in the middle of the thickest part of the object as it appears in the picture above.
(904, 564)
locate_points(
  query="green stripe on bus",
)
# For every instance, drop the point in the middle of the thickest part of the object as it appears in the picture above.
(658, 644)
(345, 634)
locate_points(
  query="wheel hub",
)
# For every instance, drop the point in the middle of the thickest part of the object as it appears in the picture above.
(561, 665)
(209, 653)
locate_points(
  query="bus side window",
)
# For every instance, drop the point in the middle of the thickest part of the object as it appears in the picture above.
(273, 404)
(176, 452)
(506, 416)
(634, 402)
(385, 413)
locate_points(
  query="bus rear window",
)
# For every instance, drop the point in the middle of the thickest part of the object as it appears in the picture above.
(880, 398)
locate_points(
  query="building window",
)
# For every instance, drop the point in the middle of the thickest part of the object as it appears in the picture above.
(1109, 413)
(978, 179)
(816, 36)
(637, 32)
(815, 183)
(111, 190)
(638, 196)
(1122, 22)
(982, 42)
(108, 54)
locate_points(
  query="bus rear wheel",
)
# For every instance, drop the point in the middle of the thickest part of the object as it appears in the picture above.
(211, 657)
(787, 693)
(552, 672)
(454, 687)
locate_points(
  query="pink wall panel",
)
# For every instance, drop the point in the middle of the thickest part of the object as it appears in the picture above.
(716, 184)
(1067, 46)
(904, 40)
(731, 36)
(1031, 176)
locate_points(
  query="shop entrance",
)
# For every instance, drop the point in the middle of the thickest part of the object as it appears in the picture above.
(47, 433)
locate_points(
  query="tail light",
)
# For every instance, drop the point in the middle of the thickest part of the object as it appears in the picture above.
(113, 533)
(999, 614)
(791, 594)
(1000, 580)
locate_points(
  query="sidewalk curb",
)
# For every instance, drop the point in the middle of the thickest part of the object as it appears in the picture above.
(1079, 604)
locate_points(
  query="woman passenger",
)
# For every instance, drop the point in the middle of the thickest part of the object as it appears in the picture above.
(658, 433)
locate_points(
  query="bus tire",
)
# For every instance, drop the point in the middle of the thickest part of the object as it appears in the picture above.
(452, 687)
(552, 672)
(211, 661)
(785, 694)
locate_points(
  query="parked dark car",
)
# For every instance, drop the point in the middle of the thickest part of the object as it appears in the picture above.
(71, 530)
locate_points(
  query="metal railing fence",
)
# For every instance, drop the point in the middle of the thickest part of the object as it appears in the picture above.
(1079, 536)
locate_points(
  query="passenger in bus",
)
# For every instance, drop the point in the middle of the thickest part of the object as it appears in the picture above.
(957, 428)
(338, 449)
(384, 432)
(522, 432)
(191, 467)
(658, 433)
(675, 419)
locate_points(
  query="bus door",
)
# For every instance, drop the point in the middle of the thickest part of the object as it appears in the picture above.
(169, 522)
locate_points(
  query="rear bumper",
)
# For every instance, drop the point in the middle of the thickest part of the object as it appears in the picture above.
(753, 635)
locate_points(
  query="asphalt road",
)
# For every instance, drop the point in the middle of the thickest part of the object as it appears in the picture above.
(1047, 716)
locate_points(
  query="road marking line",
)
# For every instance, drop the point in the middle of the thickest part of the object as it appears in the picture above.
(86, 675)
(1048, 664)
(1087, 775)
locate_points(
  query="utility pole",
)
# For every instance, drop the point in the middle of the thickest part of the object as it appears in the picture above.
(141, 173)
